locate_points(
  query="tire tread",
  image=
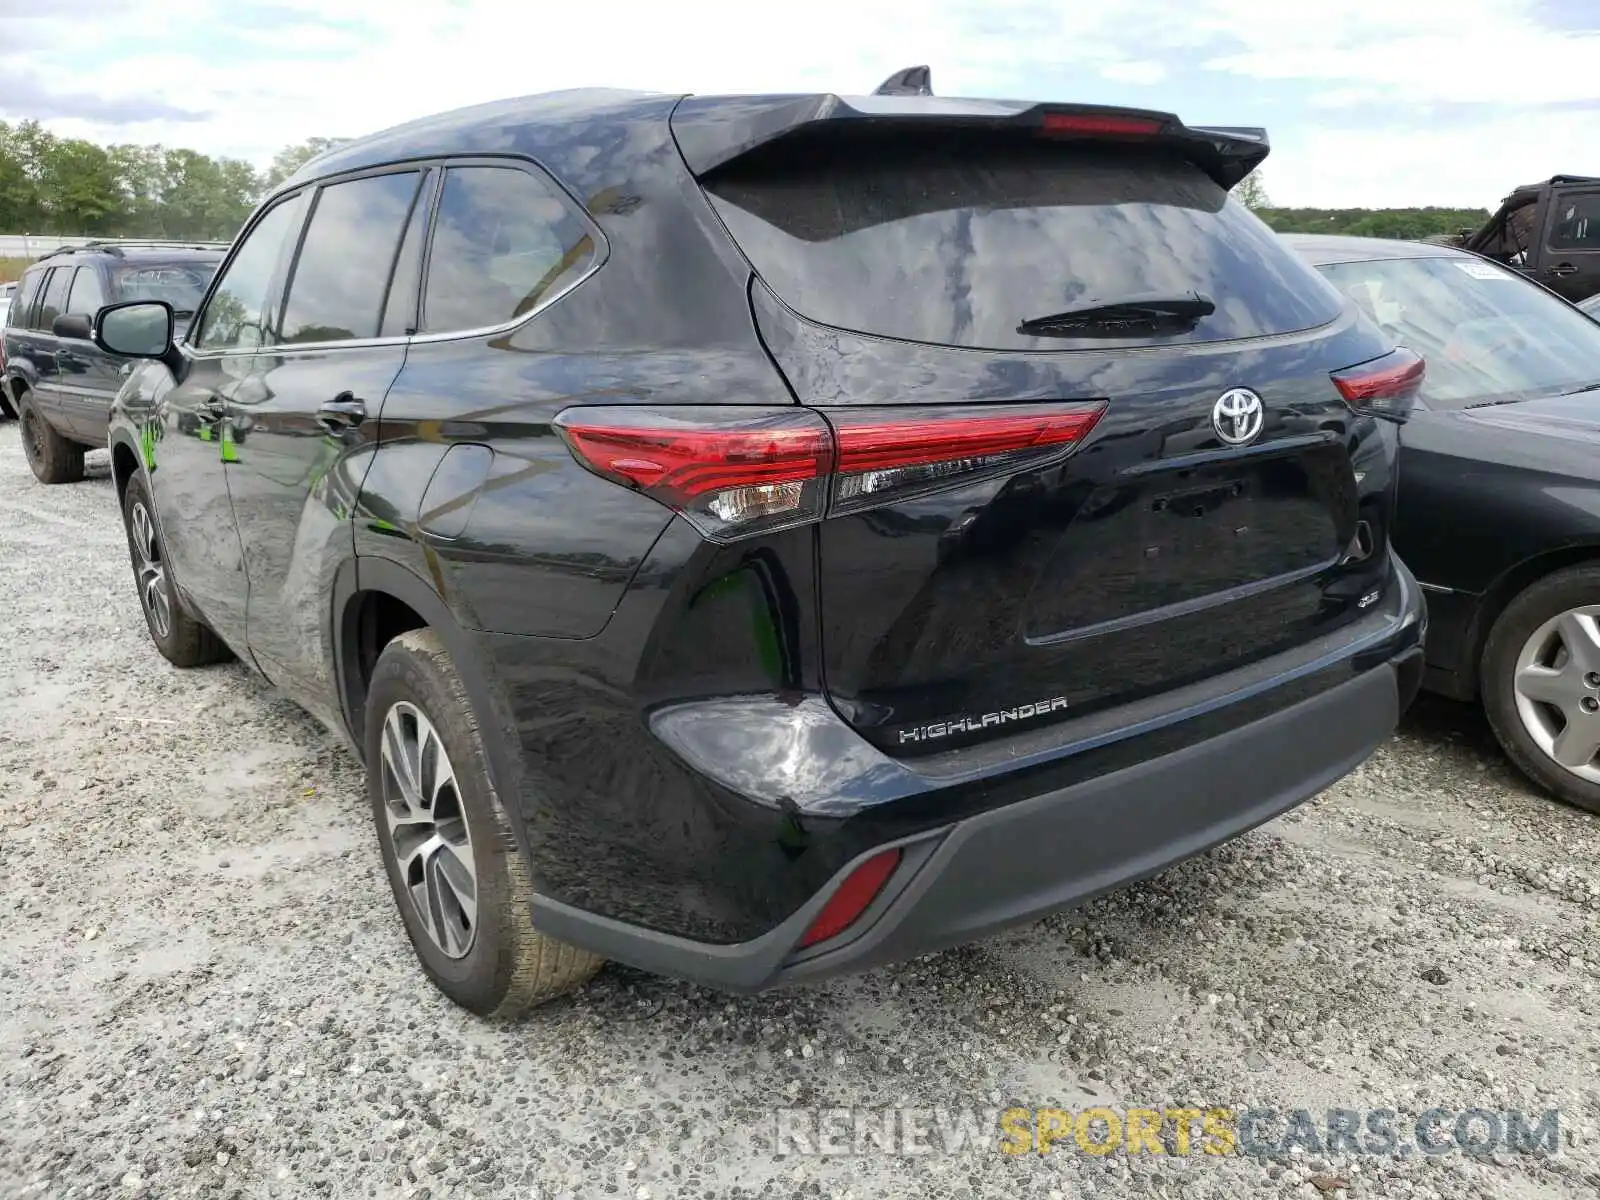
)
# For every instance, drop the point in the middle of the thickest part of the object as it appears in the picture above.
(62, 459)
(192, 642)
(1538, 602)
(531, 968)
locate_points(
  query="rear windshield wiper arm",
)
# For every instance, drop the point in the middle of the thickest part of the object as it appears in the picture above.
(1130, 313)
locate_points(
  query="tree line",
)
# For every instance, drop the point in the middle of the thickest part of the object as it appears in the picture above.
(1411, 224)
(71, 186)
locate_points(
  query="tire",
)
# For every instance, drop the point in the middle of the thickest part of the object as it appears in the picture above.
(183, 639)
(1535, 688)
(492, 962)
(53, 458)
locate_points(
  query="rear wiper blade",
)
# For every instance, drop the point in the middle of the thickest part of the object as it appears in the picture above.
(1130, 313)
(1588, 387)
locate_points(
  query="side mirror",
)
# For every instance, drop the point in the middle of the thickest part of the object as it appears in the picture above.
(135, 328)
(72, 325)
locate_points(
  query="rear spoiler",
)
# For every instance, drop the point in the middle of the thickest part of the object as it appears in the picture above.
(714, 131)
(912, 81)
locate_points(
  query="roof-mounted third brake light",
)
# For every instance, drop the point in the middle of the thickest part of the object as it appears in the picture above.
(1100, 124)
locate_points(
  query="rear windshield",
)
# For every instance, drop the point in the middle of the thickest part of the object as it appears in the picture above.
(957, 244)
(1486, 332)
(179, 284)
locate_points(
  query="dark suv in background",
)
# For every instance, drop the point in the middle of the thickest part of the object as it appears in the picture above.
(59, 383)
(754, 538)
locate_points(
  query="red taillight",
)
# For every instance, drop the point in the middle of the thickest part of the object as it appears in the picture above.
(1384, 387)
(1102, 124)
(735, 471)
(882, 456)
(859, 889)
(732, 472)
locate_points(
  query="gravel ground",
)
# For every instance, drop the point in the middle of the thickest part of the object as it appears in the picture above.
(204, 989)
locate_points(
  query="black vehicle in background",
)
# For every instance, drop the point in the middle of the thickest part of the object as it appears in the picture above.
(57, 381)
(759, 537)
(1550, 231)
(1499, 510)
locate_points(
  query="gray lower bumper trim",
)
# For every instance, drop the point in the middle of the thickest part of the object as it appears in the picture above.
(1044, 854)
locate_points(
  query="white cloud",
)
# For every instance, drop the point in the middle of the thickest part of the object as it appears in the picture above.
(1364, 73)
(1416, 164)
(1134, 71)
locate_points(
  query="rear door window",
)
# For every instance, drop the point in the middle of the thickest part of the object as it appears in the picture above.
(55, 298)
(87, 295)
(505, 242)
(1575, 221)
(957, 242)
(400, 305)
(342, 271)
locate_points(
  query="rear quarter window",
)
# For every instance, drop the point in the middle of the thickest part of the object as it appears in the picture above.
(957, 243)
(22, 299)
(505, 242)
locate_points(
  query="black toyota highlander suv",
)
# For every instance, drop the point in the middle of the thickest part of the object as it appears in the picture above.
(59, 382)
(754, 538)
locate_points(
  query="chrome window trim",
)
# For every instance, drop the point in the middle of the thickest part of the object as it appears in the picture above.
(601, 256)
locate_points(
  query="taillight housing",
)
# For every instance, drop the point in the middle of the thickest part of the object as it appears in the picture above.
(1385, 387)
(736, 471)
(731, 471)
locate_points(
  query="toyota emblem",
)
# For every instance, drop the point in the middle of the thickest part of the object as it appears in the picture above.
(1237, 416)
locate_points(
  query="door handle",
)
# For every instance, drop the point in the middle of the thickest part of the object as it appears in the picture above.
(344, 411)
(1563, 269)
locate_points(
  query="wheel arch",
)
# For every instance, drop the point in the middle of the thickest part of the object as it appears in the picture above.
(365, 593)
(375, 600)
(19, 371)
(124, 463)
(1510, 584)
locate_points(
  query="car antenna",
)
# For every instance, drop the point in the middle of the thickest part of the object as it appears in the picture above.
(912, 81)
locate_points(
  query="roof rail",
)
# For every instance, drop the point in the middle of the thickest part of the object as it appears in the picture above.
(1553, 181)
(116, 245)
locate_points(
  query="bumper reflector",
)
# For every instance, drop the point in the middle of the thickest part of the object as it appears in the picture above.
(860, 889)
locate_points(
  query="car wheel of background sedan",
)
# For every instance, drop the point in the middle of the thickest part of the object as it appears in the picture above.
(461, 883)
(183, 639)
(1541, 683)
(52, 457)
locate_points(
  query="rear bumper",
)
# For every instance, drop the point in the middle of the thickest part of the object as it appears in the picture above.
(1063, 848)
(1057, 848)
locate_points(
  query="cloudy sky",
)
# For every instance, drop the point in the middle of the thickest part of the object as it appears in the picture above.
(1369, 102)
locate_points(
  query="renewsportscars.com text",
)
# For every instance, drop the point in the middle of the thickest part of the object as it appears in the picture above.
(1178, 1131)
